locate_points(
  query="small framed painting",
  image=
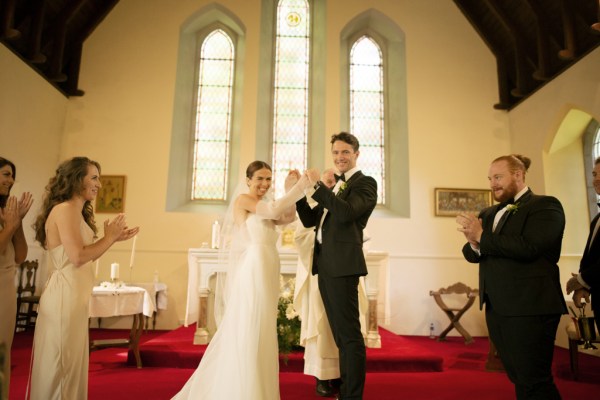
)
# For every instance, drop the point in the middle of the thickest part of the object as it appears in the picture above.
(111, 196)
(451, 202)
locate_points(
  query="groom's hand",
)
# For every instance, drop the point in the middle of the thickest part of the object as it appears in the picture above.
(328, 178)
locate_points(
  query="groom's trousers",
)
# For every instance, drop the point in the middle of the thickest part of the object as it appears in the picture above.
(340, 298)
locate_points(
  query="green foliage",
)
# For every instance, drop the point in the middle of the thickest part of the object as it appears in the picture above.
(288, 322)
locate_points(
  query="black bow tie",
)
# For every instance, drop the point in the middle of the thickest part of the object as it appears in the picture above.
(338, 177)
(505, 203)
(598, 204)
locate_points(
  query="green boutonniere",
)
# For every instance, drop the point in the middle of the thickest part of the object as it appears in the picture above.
(512, 208)
(342, 188)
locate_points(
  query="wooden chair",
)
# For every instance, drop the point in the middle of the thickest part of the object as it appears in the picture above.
(27, 300)
(576, 339)
(455, 313)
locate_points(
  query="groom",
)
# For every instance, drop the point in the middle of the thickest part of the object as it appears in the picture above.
(339, 220)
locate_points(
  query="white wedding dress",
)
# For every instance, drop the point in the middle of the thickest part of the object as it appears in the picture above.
(241, 361)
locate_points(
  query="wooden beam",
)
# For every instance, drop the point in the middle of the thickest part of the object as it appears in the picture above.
(568, 18)
(7, 19)
(38, 14)
(543, 72)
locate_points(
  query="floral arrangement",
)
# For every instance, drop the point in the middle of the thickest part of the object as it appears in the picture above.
(288, 321)
(512, 208)
(342, 188)
(112, 285)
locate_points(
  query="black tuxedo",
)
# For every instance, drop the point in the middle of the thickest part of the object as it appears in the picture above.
(339, 260)
(589, 267)
(520, 286)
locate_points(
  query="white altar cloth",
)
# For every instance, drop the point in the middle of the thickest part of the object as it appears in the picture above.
(127, 300)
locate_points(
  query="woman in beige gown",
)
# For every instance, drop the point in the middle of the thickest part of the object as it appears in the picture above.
(13, 251)
(66, 228)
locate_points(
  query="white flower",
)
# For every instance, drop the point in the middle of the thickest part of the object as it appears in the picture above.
(512, 208)
(290, 312)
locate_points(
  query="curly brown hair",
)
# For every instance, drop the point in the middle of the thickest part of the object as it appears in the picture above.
(67, 183)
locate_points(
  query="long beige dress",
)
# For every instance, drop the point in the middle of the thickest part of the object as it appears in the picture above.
(8, 308)
(61, 343)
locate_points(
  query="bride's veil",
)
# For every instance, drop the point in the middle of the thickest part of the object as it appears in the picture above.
(233, 242)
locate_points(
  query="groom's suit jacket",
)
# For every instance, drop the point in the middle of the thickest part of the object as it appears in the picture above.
(589, 267)
(518, 271)
(340, 253)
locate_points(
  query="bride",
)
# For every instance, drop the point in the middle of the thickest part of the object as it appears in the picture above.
(241, 361)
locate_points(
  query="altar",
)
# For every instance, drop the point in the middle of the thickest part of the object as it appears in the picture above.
(203, 263)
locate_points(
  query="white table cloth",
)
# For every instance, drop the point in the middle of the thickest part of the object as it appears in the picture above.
(127, 300)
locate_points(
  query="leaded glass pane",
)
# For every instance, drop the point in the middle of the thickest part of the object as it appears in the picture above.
(366, 109)
(213, 116)
(596, 145)
(290, 112)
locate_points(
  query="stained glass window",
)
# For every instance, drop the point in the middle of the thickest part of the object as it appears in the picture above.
(367, 109)
(290, 112)
(596, 145)
(213, 117)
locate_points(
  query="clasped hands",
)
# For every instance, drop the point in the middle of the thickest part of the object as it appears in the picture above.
(309, 178)
(471, 227)
(579, 291)
(15, 210)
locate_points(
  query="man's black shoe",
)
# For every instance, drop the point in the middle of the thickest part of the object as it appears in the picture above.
(335, 383)
(323, 389)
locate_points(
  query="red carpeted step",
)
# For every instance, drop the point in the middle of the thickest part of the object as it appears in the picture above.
(398, 354)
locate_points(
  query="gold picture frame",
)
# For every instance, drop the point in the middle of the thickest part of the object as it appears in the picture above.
(111, 196)
(451, 202)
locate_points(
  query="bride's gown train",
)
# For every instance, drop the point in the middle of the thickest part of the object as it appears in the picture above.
(242, 361)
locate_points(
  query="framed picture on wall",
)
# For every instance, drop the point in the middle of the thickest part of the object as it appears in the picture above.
(111, 197)
(451, 202)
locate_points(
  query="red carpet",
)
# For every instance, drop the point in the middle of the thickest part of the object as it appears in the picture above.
(176, 350)
(463, 375)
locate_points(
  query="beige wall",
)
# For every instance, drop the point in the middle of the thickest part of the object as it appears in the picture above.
(125, 118)
(32, 117)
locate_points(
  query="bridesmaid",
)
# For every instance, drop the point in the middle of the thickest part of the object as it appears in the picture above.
(66, 228)
(13, 251)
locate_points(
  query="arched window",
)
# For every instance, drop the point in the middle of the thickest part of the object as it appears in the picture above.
(374, 105)
(212, 128)
(591, 151)
(367, 108)
(205, 138)
(291, 90)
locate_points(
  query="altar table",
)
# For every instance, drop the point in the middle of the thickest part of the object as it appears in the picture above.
(124, 301)
(205, 262)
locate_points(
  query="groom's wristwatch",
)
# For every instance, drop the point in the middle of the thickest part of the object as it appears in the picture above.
(318, 185)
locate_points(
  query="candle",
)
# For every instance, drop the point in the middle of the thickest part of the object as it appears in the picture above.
(216, 231)
(114, 271)
(132, 252)
(97, 267)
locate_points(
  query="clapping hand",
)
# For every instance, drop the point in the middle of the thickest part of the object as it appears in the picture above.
(579, 291)
(25, 204)
(117, 229)
(9, 215)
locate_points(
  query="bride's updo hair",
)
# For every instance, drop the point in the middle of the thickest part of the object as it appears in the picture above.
(256, 166)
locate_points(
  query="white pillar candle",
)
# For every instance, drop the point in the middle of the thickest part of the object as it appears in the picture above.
(132, 252)
(114, 271)
(216, 232)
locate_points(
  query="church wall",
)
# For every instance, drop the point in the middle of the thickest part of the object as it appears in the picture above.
(32, 117)
(124, 121)
(533, 126)
(125, 118)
